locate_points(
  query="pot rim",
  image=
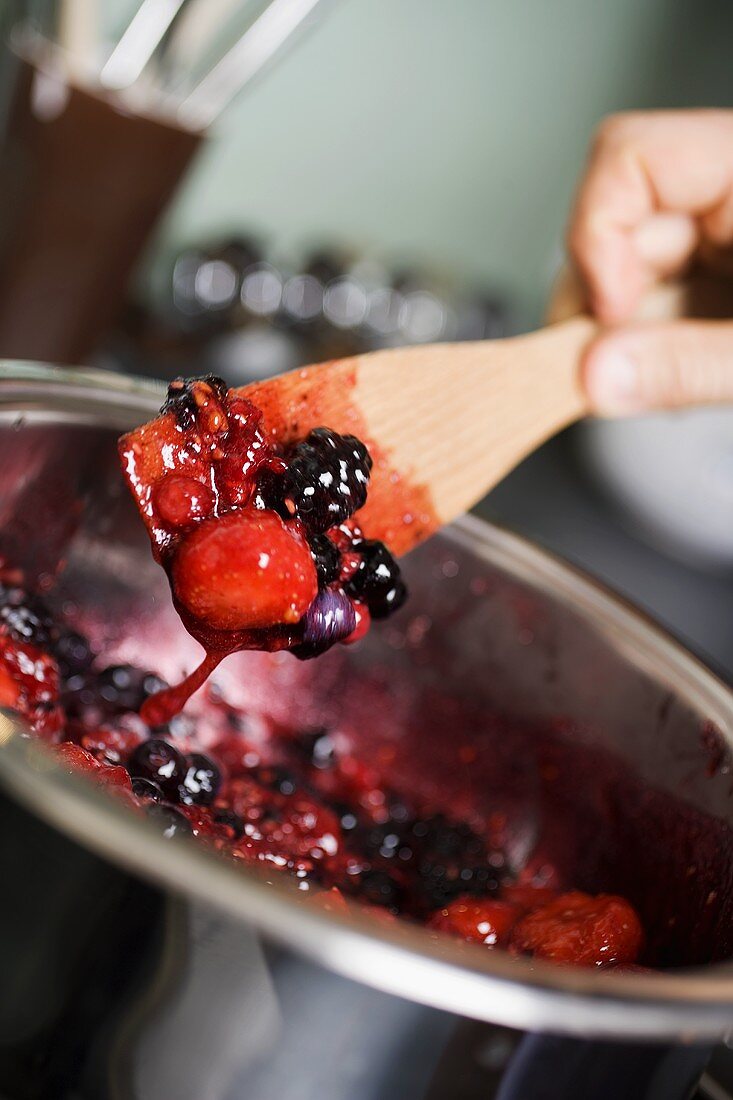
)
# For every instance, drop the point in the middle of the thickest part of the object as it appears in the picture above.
(404, 960)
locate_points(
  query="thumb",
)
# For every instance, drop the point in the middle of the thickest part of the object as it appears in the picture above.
(660, 366)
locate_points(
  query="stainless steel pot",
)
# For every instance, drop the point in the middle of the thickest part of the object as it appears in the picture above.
(615, 764)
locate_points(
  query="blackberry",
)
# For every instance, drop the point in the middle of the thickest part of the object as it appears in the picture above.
(171, 821)
(26, 618)
(180, 400)
(147, 789)
(445, 841)
(379, 888)
(202, 781)
(327, 559)
(125, 687)
(158, 760)
(231, 820)
(377, 580)
(326, 479)
(329, 619)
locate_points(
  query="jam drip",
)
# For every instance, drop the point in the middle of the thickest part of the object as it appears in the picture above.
(259, 542)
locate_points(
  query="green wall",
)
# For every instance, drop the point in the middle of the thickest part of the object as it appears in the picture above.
(446, 130)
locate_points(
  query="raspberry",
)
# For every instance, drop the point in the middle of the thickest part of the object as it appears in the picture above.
(29, 684)
(577, 928)
(180, 501)
(487, 922)
(326, 479)
(377, 580)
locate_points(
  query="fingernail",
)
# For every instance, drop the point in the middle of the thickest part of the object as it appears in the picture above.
(612, 382)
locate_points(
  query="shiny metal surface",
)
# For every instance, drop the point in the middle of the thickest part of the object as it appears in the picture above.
(540, 640)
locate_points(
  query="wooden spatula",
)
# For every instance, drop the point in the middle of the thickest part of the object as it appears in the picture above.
(444, 422)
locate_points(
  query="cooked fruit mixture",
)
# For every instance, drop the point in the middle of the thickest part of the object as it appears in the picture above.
(262, 550)
(294, 803)
(259, 543)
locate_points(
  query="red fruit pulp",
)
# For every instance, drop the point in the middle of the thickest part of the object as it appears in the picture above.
(245, 571)
(577, 928)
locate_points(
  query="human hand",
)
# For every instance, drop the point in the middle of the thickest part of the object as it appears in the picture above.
(657, 190)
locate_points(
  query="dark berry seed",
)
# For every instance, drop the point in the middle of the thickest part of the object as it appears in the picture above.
(377, 580)
(231, 820)
(329, 619)
(147, 789)
(158, 760)
(201, 784)
(171, 822)
(326, 479)
(327, 559)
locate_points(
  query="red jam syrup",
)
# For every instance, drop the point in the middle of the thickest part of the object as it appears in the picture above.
(296, 802)
(262, 550)
(258, 539)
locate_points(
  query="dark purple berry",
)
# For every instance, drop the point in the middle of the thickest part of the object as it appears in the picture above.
(125, 687)
(231, 820)
(73, 654)
(379, 888)
(329, 619)
(171, 822)
(327, 559)
(202, 781)
(180, 400)
(326, 479)
(377, 580)
(25, 617)
(158, 760)
(147, 789)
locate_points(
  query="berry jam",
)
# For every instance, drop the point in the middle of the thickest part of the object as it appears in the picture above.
(258, 539)
(296, 803)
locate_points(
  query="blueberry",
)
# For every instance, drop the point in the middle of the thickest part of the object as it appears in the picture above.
(329, 619)
(147, 789)
(202, 781)
(379, 888)
(73, 654)
(125, 687)
(171, 822)
(327, 559)
(377, 580)
(231, 821)
(326, 479)
(159, 761)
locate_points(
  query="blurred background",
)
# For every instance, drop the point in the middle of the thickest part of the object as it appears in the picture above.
(196, 185)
